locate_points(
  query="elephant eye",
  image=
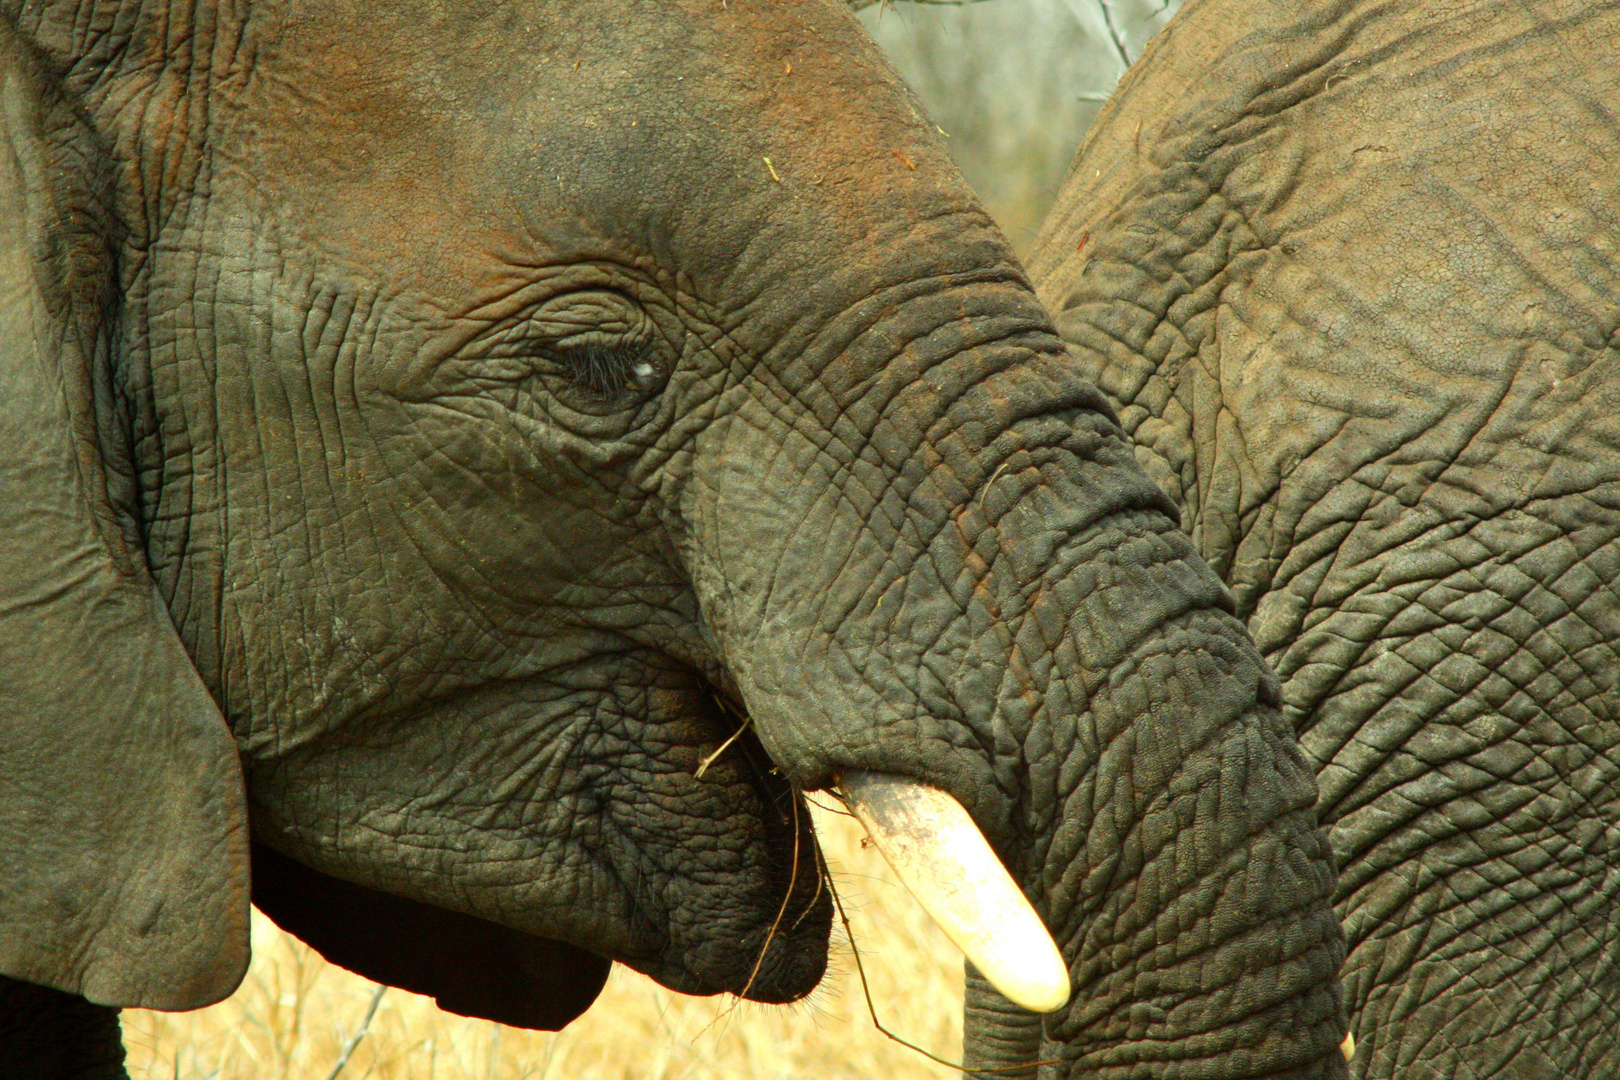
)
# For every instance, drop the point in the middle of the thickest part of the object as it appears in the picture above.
(608, 371)
(594, 353)
(596, 378)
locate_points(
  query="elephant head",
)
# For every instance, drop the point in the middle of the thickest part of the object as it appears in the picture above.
(494, 409)
(1348, 272)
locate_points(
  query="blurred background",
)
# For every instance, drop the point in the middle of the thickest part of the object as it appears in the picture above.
(1014, 84)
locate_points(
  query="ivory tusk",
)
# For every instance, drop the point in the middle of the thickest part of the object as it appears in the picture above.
(946, 863)
(1348, 1047)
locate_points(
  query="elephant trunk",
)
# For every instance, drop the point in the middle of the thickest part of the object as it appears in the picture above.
(929, 553)
(999, 1039)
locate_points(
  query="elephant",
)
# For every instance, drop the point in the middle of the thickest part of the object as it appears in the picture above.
(472, 467)
(1348, 273)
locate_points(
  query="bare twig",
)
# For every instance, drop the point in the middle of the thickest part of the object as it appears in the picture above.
(360, 1033)
(703, 766)
(827, 809)
(872, 1009)
(1113, 34)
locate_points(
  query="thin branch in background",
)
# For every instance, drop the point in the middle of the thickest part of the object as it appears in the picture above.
(871, 1008)
(1114, 35)
(839, 810)
(360, 1033)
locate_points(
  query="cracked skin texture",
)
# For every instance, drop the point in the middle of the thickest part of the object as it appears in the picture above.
(1350, 274)
(499, 428)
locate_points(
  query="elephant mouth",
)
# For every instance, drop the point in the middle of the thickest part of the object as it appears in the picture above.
(926, 836)
(934, 847)
(614, 806)
(744, 905)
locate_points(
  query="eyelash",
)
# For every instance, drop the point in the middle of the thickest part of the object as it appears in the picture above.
(607, 370)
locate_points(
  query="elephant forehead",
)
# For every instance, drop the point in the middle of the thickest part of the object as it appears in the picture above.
(453, 145)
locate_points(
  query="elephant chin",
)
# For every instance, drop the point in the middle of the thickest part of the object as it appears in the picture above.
(790, 968)
(794, 961)
(793, 965)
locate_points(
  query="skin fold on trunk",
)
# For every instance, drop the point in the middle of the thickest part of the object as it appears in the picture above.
(998, 1037)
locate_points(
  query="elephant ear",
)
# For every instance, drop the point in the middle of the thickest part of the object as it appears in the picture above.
(123, 846)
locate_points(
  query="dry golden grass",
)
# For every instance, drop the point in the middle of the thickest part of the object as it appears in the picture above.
(294, 1013)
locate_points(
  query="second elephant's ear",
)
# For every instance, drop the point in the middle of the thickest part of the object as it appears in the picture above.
(123, 846)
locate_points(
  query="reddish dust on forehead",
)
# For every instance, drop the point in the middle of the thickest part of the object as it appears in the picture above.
(445, 148)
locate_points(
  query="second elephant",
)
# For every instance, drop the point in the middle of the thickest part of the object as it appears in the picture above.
(1349, 274)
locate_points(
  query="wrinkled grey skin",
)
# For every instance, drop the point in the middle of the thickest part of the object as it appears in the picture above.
(490, 406)
(1350, 273)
